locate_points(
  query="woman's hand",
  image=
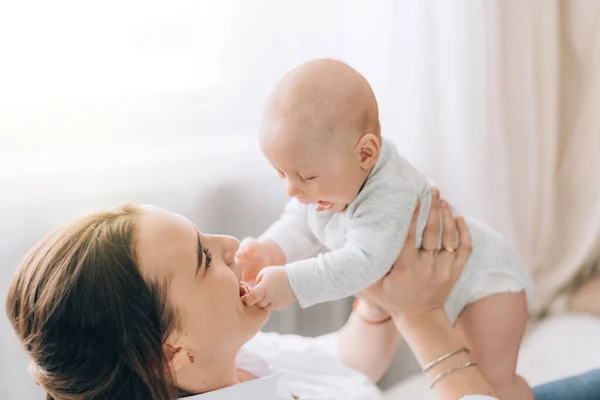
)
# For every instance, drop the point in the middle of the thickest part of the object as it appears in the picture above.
(421, 279)
(414, 293)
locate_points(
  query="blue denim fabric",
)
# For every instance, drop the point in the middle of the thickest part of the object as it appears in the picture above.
(580, 387)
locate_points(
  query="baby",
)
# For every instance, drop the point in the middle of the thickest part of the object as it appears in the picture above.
(353, 198)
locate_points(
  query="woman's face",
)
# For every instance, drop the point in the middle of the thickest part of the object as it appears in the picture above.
(203, 284)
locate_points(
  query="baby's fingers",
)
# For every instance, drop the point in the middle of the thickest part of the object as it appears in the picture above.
(256, 295)
(249, 276)
(244, 253)
(265, 303)
(247, 246)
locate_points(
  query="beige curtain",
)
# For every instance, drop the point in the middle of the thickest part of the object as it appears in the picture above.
(550, 95)
(499, 103)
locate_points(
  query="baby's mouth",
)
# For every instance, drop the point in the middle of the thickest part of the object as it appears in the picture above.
(244, 289)
(324, 205)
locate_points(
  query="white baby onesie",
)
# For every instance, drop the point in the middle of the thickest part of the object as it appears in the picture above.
(332, 255)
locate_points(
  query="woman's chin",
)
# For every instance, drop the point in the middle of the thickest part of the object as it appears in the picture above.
(254, 316)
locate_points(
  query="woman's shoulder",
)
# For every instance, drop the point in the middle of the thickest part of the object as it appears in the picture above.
(273, 344)
(272, 352)
(306, 366)
(266, 388)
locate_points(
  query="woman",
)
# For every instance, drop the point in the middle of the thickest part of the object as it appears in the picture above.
(136, 303)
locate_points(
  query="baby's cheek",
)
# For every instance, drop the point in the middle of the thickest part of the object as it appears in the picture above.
(327, 186)
(332, 189)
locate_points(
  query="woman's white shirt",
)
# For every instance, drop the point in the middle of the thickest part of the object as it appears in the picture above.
(478, 397)
(291, 365)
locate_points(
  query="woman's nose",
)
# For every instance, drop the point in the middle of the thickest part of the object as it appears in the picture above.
(230, 247)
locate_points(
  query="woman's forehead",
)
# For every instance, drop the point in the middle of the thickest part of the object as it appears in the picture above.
(165, 241)
(161, 221)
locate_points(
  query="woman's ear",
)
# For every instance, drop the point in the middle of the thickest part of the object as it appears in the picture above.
(367, 150)
(178, 356)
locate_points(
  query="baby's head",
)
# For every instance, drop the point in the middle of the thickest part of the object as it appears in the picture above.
(320, 131)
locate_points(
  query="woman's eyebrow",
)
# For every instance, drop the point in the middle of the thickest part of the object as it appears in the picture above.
(200, 255)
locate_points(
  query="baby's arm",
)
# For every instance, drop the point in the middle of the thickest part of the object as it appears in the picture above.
(375, 234)
(288, 239)
(292, 235)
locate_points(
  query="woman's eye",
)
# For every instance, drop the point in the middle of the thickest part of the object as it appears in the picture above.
(208, 257)
(308, 178)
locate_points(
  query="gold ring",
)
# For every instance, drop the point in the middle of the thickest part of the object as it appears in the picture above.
(449, 249)
(433, 252)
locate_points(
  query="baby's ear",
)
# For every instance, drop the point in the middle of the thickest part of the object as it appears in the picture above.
(368, 149)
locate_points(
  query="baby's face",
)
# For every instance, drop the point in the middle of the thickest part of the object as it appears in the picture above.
(320, 173)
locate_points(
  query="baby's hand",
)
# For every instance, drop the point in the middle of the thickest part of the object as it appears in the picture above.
(272, 291)
(252, 259)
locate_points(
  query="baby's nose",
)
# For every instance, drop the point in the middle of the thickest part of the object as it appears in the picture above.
(291, 189)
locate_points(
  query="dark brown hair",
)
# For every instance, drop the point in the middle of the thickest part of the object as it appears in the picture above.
(86, 315)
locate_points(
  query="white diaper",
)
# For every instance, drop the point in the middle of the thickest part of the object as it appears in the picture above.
(495, 283)
(494, 267)
(486, 286)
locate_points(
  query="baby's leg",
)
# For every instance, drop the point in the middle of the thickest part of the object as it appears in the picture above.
(492, 328)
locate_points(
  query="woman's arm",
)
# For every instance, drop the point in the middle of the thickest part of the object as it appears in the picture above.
(368, 341)
(364, 344)
(368, 346)
(431, 336)
(414, 292)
